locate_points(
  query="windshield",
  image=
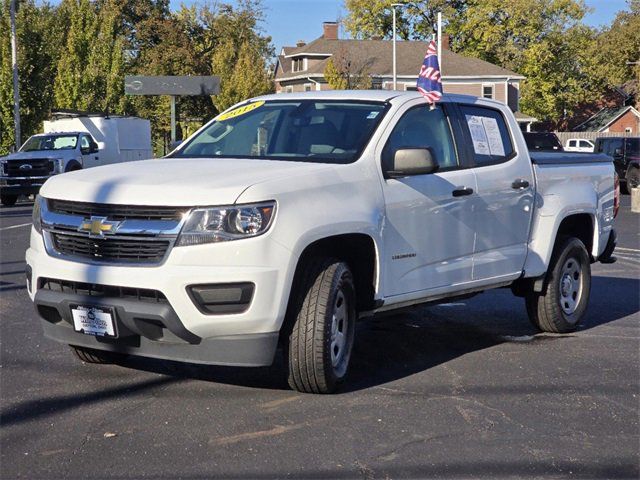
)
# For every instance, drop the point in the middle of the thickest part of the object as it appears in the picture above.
(299, 130)
(542, 141)
(50, 142)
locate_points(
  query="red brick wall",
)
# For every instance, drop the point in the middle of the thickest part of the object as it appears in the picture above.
(628, 120)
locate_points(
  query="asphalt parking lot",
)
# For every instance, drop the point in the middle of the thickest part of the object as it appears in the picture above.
(466, 389)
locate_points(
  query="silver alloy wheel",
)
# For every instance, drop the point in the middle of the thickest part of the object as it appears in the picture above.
(571, 285)
(339, 334)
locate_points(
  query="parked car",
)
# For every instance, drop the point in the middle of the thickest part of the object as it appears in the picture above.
(71, 142)
(625, 152)
(542, 142)
(579, 145)
(288, 217)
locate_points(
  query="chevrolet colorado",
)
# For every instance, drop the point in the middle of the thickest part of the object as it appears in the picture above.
(288, 217)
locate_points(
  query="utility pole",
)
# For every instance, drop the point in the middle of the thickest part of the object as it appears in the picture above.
(395, 73)
(14, 67)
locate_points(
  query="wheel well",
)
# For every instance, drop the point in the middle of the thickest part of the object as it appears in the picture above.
(359, 252)
(580, 226)
(73, 166)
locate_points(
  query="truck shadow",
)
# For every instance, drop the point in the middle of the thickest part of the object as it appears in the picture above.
(397, 346)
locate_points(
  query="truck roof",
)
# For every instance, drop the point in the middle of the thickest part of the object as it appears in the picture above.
(364, 95)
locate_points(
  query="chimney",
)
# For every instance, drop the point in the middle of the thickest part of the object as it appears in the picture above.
(300, 43)
(445, 42)
(330, 30)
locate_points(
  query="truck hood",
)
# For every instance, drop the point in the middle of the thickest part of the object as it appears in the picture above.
(172, 182)
(39, 154)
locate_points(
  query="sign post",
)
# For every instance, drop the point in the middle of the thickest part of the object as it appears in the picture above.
(173, 86)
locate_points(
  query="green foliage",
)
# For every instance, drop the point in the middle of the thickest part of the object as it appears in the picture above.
(38, 33)
(75, 55)
(334, 77)
(414, 20)
(619, 44)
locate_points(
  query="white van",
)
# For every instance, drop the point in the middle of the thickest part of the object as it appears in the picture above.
(579, 145)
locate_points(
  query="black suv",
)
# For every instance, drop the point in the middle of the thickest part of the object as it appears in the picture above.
(626, 158)
(542, 142)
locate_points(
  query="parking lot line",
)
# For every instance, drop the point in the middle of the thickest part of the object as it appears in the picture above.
(15, 226)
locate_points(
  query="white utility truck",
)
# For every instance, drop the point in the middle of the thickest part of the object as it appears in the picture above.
(288, 217)
(72, 141)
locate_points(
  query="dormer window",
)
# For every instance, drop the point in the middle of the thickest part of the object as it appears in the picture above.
(298, 64)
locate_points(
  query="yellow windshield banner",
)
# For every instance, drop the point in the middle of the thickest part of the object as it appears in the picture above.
(236, 112)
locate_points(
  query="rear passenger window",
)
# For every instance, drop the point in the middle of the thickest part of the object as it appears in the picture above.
(423, 127)
(489, 135)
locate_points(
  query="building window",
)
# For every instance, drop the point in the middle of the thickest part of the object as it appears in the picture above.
(298, 65)
(307, 87)
(288, 89)
(487, 91)
(410, 87)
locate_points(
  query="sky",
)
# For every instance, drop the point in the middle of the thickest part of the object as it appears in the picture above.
(288, 21)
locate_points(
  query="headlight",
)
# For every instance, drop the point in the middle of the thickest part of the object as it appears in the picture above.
(221, 224)
(58, 165)
(37, 213)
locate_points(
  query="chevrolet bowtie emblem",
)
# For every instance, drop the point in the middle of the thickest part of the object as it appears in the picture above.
(98, 227)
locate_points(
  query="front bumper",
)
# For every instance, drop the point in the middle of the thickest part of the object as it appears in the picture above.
(186, 333)
(21, 185)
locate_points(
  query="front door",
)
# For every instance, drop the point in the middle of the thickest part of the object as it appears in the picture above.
(429, 227)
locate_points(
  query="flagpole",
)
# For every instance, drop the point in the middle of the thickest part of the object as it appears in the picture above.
(440, 41)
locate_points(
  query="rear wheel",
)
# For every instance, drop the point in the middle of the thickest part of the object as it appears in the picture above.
(8, 200)
(321, 340)
(633, 178)
(91, 355)
(560, 307)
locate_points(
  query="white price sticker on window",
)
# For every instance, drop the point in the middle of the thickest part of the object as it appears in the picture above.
(478, 134)
(496, 147)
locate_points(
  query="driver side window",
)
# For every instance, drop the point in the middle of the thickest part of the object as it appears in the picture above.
(84, 142)
(423, 127)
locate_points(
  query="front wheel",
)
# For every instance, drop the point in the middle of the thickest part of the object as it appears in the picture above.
(561, 306)
(8, 200)
(321, 340)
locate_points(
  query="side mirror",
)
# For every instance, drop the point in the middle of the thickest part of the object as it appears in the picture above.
(94, 148)
(85, 150)
(617, 152)
(412, 161)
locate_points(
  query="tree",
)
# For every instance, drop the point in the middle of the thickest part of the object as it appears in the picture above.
(347, 72)
(415, 20)
(73, 87)
(619, 44)
(38, 31)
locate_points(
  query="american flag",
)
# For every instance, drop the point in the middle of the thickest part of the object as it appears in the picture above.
(429, 80)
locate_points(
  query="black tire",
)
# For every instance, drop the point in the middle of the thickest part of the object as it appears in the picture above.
(8, 200)
(560, 307)
(91, 355)
(319, 358)
(633, 178)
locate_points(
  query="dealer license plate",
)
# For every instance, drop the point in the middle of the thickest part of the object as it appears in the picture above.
(97, 321)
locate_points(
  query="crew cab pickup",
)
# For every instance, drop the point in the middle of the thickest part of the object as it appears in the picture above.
(288, 217)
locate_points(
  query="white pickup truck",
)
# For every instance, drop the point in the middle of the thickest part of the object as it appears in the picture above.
(288, 217)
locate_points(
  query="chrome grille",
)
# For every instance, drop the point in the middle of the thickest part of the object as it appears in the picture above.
(111, 249)
(37, 167)
(117, 212)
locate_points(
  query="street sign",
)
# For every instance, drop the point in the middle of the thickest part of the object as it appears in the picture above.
(171, 85)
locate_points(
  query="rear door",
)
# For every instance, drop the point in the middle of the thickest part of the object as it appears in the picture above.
(429, 227)
(505, 192)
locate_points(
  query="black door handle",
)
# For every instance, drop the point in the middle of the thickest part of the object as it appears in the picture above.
(520, 184)
(461, 192)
